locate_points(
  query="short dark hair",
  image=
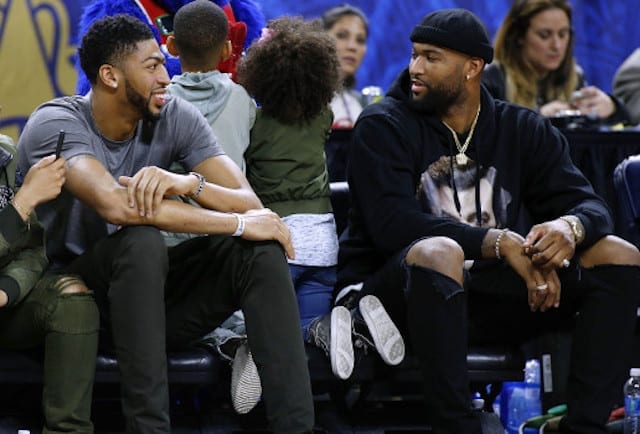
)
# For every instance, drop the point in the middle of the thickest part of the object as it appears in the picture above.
(109, 40)
(293, 72)
(200, 28)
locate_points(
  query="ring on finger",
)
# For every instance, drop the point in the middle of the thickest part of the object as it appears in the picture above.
(565, 263)
(542, 287)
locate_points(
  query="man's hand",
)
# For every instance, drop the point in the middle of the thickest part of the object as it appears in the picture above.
(543, 286)
(147, 188)
(264, 224)
(549, 244)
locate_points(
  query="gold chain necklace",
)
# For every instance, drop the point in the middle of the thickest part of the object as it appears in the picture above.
(461, 158)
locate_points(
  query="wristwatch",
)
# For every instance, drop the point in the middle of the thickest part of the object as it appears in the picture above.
(576, 227)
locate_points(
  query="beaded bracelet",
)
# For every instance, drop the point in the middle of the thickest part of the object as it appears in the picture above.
(240, 228)
(201, 182)
(497, 244)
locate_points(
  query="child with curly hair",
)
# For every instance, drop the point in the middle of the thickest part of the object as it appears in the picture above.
(293, 73)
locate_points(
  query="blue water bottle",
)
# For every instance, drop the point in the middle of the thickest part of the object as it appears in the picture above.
(632, 402)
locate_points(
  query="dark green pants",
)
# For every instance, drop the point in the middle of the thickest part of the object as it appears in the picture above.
(67, 324)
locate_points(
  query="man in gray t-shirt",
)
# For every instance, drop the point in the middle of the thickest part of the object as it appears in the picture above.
(119, 142)
(179, 134)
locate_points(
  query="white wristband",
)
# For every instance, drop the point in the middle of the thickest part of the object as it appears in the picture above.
(240, 228)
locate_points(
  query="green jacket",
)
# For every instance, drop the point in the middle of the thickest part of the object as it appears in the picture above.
(22, 253)
(286, 165)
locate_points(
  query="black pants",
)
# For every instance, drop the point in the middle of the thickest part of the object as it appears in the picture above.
(153, 298)
(440, 318)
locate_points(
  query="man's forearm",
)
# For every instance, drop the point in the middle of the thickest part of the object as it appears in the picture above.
(177, 216)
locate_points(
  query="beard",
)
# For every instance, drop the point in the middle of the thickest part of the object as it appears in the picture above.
(439, 97)
(141, 103)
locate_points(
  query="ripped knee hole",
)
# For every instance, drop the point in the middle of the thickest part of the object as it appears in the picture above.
(70, 285)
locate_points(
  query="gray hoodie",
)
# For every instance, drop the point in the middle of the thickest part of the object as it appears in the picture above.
(227, 106)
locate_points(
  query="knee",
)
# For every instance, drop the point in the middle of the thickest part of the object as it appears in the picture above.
(70, 285)
(143, 243)
(611, 250)
(76, 311)
(440, 254)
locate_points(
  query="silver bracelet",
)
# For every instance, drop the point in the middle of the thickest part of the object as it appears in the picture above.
(201, 182)
(240, 228)
(496, 246)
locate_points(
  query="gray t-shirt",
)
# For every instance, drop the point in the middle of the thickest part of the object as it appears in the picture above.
(181, 134)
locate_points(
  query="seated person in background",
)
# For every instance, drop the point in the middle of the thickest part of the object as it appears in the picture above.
(58, 310)
(543, 256)
(292, 72)
(105, 226)
(349, 27)
(199, 38)
(535, 66)
(626, 85)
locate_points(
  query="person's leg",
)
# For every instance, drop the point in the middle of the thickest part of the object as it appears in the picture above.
(209, 278)
(609, 297)
(421, 288)
(127, 273)
(63, 314)
(327, 328)
(314, 292)
(227, 337)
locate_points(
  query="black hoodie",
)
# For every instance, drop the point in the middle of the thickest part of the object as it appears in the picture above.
(393, 144)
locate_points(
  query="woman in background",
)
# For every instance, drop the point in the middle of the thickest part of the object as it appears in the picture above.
(535, 66)
(349, 27)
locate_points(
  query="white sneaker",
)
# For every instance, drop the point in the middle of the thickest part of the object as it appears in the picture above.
(246, 388)
(332, 333)
(383, 332)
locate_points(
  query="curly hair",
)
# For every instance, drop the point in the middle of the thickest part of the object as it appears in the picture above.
(521, 89)
(110, 40)
(293, 72)
(200, 29)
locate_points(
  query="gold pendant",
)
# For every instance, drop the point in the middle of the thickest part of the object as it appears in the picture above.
(462, 159)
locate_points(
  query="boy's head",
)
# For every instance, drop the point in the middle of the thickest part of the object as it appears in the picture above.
(200, 31)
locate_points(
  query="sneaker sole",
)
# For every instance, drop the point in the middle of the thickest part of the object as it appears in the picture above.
(246, 388)
(385, 334)
(341, 348)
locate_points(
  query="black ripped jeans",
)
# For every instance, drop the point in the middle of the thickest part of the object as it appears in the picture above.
(437, 316)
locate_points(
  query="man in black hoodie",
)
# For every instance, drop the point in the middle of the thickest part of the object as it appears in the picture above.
(549, 257)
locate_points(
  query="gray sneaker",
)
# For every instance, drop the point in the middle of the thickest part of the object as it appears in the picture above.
(332, 333)
(246, 388)
(373, 327)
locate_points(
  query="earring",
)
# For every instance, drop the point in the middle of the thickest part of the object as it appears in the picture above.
(467, 77)
(114, 85)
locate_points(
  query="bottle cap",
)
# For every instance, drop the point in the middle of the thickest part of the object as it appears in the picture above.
(634, 372)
